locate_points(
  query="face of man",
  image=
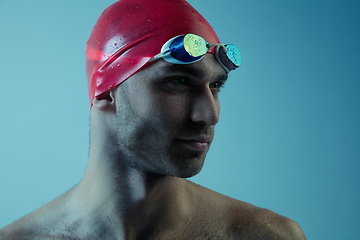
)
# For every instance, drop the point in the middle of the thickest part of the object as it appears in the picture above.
(166, 114)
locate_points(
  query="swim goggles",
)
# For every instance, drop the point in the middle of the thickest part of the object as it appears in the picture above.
(190, 48)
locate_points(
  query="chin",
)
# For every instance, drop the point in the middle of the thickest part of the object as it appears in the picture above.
(182, 164)
(190, 174)
(190, 168)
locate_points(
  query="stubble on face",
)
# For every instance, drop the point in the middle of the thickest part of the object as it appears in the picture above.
(149, 140)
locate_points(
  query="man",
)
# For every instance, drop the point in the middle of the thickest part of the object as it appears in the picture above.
(154, 70)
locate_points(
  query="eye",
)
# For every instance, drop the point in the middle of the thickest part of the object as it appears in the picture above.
(217, 86)
(178, 82)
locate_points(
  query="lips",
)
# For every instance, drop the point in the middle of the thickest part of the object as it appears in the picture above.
(197, 143)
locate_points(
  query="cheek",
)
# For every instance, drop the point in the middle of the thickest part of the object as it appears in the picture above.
(150, 103)
(174, 108)
(140, 98)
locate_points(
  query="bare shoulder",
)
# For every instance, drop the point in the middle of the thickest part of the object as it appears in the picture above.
(31, 226)
(260, 223)
(20, 229)
(242, 220)
(38, 224)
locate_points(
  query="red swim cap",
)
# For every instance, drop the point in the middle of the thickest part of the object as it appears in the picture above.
(131, 32)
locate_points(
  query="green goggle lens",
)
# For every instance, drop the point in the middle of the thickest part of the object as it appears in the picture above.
(195, 45)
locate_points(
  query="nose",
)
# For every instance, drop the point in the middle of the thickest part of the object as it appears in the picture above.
(205, 107)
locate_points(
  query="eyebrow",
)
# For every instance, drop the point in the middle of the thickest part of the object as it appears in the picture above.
(189, 70)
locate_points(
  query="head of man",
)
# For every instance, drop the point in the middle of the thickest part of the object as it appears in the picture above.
(160, 114)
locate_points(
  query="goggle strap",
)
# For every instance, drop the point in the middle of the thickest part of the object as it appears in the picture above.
(160, 55)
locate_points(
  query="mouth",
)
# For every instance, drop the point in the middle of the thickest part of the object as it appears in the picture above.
(198, 143)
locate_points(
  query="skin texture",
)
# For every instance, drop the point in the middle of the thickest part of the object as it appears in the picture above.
(147, 135)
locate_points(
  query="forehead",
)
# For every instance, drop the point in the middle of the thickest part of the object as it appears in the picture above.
(208, 68)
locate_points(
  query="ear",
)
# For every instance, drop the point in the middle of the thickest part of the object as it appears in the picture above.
(104, 101)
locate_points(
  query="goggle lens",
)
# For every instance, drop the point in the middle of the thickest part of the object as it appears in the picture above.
(233, 54)
(187, 48)
(195, 45)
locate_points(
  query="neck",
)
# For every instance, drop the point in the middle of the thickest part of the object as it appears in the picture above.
(118, 199)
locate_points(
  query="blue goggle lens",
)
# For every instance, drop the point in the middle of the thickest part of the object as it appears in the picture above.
(233, 54)
(183, 50)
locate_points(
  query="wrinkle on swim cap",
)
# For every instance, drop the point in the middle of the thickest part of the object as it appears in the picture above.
(129, 33)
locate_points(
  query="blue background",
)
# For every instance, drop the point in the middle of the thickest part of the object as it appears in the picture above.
(289, 132)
